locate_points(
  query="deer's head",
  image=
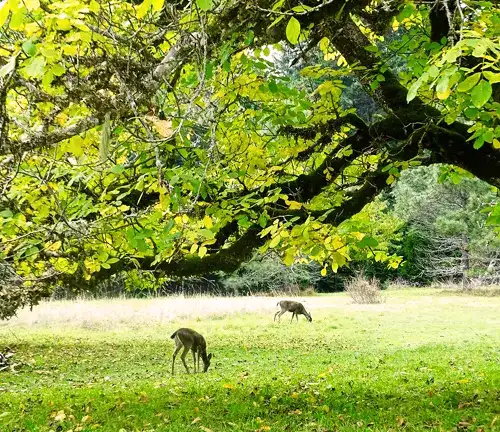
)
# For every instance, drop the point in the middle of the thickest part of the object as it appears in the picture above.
(206, 362)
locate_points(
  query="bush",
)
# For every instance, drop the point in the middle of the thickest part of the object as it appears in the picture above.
(364, 290)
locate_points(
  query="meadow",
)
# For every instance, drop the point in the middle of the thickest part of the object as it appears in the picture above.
(423, 360)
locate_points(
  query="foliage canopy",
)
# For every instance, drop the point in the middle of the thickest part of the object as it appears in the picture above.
(165, 136)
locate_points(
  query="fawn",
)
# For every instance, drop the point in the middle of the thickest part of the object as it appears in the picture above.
(191, 340)
(292, 306)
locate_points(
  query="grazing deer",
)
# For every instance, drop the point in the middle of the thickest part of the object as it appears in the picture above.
(191, 340)
(292, 306)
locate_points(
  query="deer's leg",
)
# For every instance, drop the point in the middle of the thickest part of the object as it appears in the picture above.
(279, 313)
(297, 317)
(194, 360)
(198, 361)
(177, 349)
(293, 314)
(183, 358)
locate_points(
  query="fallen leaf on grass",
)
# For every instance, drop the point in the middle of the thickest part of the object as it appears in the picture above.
(400, 421)
(196, 420)
(463, 425)
(205, 429)
(60, 416)
(295, 412)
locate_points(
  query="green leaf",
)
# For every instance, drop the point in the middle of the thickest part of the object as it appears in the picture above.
(58, 69)
(29, 48)
(117, 169)
(412, 92)
(469, 82)
(471, 112)
(368, 241)
(6, 214)
(273, 87)
(481, 93)
(36, 68)
(293, 30)
(205, 5)
(262, 221)
(372, 48)
(250, 37)
(207, 233)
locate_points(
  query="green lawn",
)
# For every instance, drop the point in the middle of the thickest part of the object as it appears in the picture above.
(423, 360)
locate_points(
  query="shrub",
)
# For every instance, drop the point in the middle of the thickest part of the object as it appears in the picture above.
(364, 290)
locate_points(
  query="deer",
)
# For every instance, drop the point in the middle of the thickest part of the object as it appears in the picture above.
(292, 306)
(191, 340)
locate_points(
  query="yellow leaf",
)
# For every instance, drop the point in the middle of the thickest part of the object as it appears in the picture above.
(202, 251)
(194, 248)
(70, 50)
(63, 24)
(207, 221)
(323, 271)
(203, 428)
(275, 241)
(496, 143)
(31, 4)
(143, 9)
(229, 386)
(196, 420)
(293, 205)
(157, 5)
(4, 12)
(55, 246)
(335, 266)
(289, 258)
(85, 418)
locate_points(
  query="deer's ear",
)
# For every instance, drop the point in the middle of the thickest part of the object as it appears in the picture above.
(209, 356)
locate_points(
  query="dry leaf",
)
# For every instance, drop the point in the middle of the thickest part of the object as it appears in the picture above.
(463, 425)
(196, 420)
(60, 416)
(203, 428)
(85, 418)
(163, 127)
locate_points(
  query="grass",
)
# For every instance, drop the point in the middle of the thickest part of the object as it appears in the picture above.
(424, 360)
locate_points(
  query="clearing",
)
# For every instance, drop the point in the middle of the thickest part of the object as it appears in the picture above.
(424, 360)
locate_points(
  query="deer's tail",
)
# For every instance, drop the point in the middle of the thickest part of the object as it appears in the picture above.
(277, 304)
(174, 335)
